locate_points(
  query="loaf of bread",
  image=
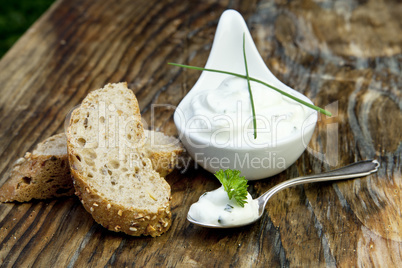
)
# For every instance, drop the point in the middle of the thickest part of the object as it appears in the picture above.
(42, 174)
(113, 177)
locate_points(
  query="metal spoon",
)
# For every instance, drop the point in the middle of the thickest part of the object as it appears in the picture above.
(355, 170)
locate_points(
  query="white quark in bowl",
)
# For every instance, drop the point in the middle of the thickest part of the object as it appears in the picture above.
(224, 115)
(215, 121)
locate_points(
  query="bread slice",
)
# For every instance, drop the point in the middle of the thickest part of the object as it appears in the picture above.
(42, 174)
(113, 178)
(164, 151)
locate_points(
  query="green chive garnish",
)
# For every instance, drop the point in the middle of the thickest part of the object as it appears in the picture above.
(249, 88)
(325, 112)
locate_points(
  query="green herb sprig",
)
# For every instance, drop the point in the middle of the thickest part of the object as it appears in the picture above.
(234, 185)
(249, 87)
(321, 110)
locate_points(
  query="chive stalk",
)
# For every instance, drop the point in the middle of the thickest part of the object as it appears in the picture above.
(249, 87)
(321, 110)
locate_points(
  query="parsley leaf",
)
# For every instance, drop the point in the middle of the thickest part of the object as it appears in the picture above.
(234, 185)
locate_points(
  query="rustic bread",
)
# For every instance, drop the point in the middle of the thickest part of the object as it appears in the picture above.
(42, 174)
(164, 151)
(113, 178)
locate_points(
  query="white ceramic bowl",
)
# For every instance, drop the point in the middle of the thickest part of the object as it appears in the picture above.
(253, 162)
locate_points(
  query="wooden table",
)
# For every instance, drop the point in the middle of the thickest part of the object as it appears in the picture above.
(344, 55)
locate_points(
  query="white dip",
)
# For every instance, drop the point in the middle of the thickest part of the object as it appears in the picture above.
(216, 208)
(224, 114)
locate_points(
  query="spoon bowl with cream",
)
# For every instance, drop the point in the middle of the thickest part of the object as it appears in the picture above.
(215, 120)
(215, 210)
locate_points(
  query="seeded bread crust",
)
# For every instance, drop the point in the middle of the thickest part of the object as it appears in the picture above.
(113, 178)
(164, 151)
(120, 218)
(42, 174)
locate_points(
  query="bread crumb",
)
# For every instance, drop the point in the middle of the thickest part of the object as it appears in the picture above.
(108, 206)
(95, 204)
(91, 209)
(117, 227)
(120, 212)
(133, 229)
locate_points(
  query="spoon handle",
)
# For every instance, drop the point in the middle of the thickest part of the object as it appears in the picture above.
(355, 170)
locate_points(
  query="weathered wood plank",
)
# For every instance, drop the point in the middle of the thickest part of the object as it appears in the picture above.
(345, 56)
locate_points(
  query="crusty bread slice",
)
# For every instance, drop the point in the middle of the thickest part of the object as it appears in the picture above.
(113, 178)
(42, 174)
(164, 151)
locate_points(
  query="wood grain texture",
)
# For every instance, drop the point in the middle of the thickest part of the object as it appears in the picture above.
(344, 55)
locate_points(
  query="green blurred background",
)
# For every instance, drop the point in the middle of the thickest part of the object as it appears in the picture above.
(15, 18)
